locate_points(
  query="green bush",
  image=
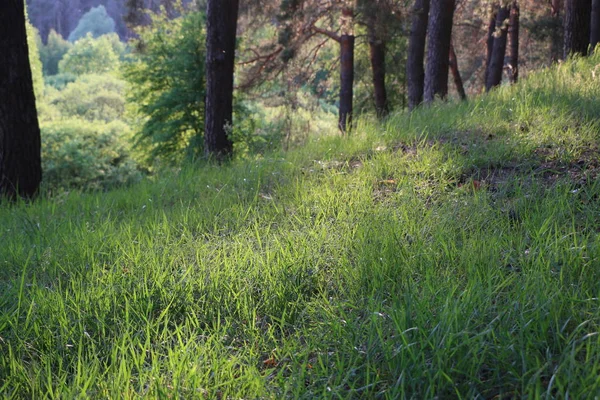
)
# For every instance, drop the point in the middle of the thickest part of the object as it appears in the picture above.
(167, 87)
(53, 51)
(92, 97)
(60, 81)
(77, 154)
(33, 39)
(95, 22)
(93, 55)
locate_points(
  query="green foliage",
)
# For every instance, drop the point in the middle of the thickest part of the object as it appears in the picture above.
(92, 97)
(77, 154)
(167, 87)
(95, 22)
(60, 81)
(93, 55)
(33, 39)
(53, 51)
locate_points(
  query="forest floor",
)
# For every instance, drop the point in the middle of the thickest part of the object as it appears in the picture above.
(450, 253)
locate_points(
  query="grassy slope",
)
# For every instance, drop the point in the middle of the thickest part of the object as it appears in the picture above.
(450, 253)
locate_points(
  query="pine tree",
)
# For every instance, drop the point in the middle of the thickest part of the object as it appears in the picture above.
(20, 160)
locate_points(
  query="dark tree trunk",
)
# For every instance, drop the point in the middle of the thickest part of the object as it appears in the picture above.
(577, 26)
(20, 160)
(221, 25)
(494, 76)
(346, 69)
(415, 72)
(458, 82)
(556, 47)
(439, 34)
(346, 82)
(490, 41)
(377, 55)
(595, 24)
(513, 34)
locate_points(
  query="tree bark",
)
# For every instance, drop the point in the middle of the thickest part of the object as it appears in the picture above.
(439, 34)
(497, 62)
(221, 26)
(377, 47)
(595, 24)
(458, 82)
(513, 34)
(20, 159)
(577, 26)
(415, 72)
(490, 41)
(556, 47)
(346, 69)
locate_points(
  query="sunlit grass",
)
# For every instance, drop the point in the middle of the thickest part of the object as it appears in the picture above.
(451, 253)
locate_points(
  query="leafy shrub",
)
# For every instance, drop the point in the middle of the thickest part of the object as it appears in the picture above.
(92, 97)
(33, 39)
(60, 81)
(82, 155)
(167, 87)
(95, 22)
(93, 55)
(53, 51)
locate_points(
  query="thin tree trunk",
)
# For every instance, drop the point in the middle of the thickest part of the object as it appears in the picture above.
(20, 159)
(377, 47)
(577, 26)
(595, 24)
(346, 69)
(439, 34)
(513, 34)
(490, 41)
(497, 63)
(415, 72)
(556, 48)
(221, 25)
(458, 82)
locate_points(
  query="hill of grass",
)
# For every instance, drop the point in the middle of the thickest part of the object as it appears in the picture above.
(450, 253)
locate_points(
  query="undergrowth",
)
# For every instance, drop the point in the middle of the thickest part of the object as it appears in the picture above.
(448, 253)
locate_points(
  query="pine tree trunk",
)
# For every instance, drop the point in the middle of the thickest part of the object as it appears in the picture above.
(346, 70)
(595, 24)
(439, 34)
(20, 159)
(494, 77)
(221, 25)
(577, 26)
(415, 72)
(513, 34)
(556, 47)
(490, 42)
(377, 56)
(458, 82)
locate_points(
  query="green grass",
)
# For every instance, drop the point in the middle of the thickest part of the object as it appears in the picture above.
(451, 253)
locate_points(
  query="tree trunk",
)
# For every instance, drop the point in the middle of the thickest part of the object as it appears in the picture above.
(441, 15)
(595, 24)
(20, 159)
(513, 34)
(490, 42)
(415, 72)
(497, 63)
(556, 47)
(577, 26)
(221, 26)
(458, 82)
(346, 69)
(377, 56)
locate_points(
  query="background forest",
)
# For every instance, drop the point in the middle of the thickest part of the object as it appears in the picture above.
(118, 73)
